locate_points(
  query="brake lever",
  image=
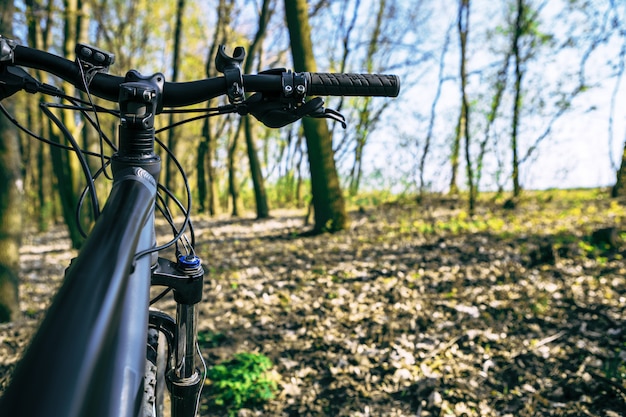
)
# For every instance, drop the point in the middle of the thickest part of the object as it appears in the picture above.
(330, 114)
(275, 112)
(14, 79)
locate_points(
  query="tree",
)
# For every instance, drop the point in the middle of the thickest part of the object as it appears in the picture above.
(64, 164)
(260, 196)
(464, 117)
(500, 85)
(207, 176)
(368, 40)
(618, 25)
(518, 31)
(433, 114)
(528, 41)
(233, 186)
(328, 201)
(180, 9)
(367, 116)
(10, 199)
(39, 24)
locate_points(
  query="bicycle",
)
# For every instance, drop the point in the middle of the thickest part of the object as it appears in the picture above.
(103, 349)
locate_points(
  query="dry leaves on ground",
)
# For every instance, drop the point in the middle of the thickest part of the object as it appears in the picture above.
(411, 314)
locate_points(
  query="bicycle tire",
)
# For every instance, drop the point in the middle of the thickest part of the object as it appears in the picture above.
(154, 377)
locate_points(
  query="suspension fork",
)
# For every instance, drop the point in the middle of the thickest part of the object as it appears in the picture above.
(184, 381)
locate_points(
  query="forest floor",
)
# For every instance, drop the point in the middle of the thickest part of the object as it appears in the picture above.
(416, 310)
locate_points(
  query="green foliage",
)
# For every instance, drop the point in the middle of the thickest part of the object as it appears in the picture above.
(210, 339)
(284, 191)
(243, 381)
(373, 199)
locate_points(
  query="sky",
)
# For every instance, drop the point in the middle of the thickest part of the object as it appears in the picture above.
(579, 152)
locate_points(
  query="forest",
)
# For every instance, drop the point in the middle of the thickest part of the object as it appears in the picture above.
(490, 95)
(454, 251)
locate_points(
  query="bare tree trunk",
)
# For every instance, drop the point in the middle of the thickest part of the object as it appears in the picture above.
(298, 172)
(619, 189)
(500, 87)
(202, 169)
(207, 177)
(463, 26)
(233, 187)
(61, 160)
(10, 199)
(366, 119)
(518, 30)
(433, 113)
(39, 30)
(454, 157)
(328, 201)
(260, 196)
(65, 166)
(169, 168)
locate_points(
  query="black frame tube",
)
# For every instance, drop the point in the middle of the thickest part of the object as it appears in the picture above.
(87, 359)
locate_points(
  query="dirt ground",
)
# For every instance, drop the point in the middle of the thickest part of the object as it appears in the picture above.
(417, 310)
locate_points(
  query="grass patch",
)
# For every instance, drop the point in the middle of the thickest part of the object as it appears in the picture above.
(245, 381)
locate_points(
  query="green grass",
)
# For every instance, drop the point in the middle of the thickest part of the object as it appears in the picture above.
(244, 381)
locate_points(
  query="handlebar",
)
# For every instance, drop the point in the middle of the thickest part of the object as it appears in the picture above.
(177, 94)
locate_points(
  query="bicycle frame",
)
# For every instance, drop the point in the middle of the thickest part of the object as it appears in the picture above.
(94, 324)
(92, 345)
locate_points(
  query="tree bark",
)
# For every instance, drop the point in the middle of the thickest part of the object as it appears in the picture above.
(366, 115)
(464, 132)
(433, 114)
(10, 199)
(64, 165)
(233, 187)
(517, 103)
(260, 196)
(207, 177)
(39, 34)
(619, 189)
(496, 101)
(454, 157)
(169, 166)
(328, 201)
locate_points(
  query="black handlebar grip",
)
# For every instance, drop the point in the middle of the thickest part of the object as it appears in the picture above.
(329, 84)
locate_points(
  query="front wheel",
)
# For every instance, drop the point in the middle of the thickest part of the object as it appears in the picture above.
(160, 336)
(154, 378)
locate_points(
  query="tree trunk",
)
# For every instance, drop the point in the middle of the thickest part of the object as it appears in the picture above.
(39, 33)
(454, 157)
(169, 168)
(619, 189)
(517, 103)
(233, 187)
(366, 120)
(10, 199)
(64, 165)
(328, 201)
(496, 101)
(464, 132)
(260, 196)
(207, 179)
(433, 114)
(201, 168)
